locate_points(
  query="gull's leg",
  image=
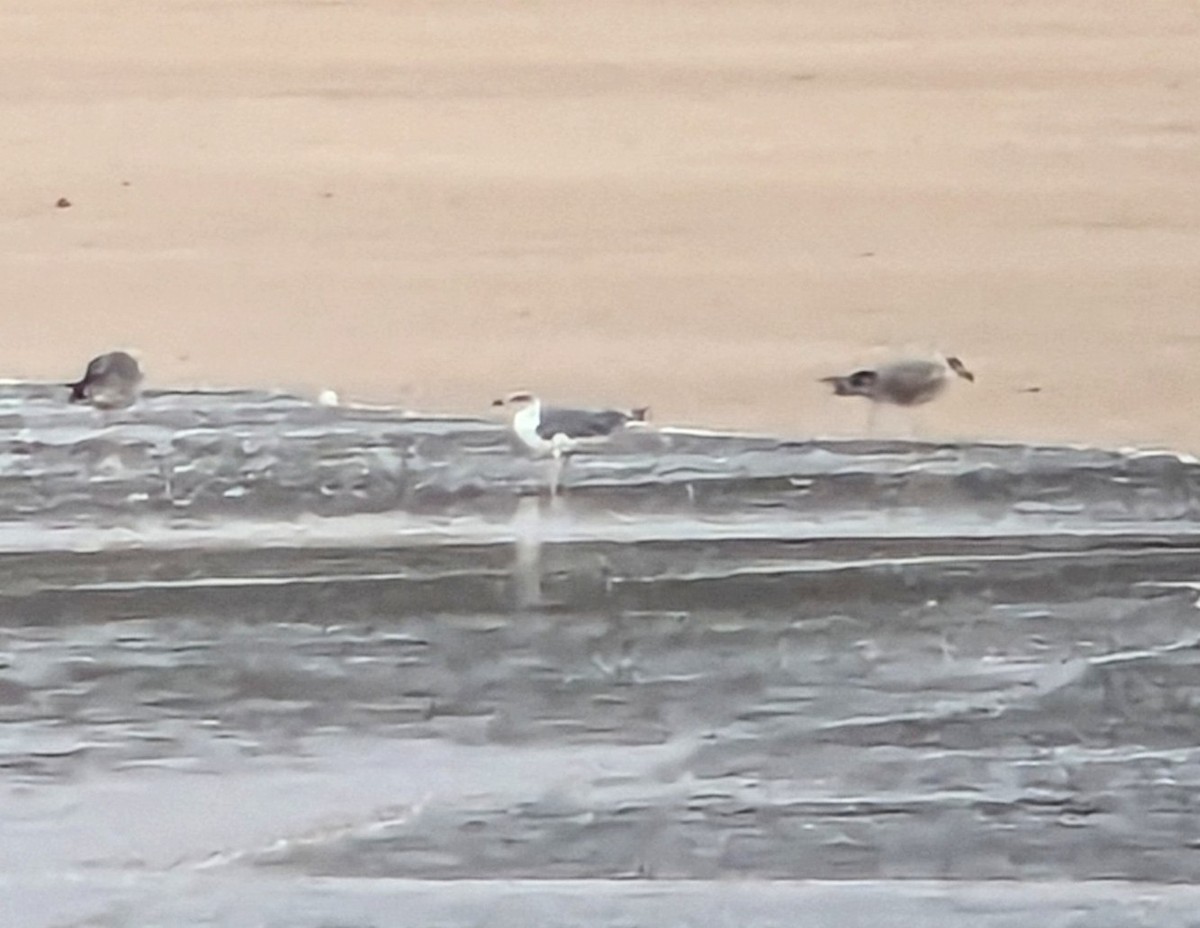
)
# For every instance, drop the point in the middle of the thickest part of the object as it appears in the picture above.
(559, 446)
(556, 472)
(916, 424)
(872, 417)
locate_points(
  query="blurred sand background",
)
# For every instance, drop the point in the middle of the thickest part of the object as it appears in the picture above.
(701, 206)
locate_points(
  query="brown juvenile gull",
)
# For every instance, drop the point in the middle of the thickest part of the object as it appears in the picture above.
(905, 382)
(557, 431)
(111, 381)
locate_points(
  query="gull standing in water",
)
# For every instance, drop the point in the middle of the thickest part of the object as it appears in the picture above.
(555, 431)
(111, 381)
(904, 382)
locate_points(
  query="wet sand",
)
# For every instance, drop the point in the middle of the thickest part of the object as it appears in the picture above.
(700, 206)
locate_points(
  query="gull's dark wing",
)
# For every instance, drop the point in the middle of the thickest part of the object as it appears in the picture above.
(580, 423)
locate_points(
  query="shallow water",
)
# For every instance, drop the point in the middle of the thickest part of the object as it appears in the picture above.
(268, 663)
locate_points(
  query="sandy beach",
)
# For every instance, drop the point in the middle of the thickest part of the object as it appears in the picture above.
(699, 206)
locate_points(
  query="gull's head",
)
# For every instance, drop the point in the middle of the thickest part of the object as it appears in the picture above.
(514, 403)
(956, 365)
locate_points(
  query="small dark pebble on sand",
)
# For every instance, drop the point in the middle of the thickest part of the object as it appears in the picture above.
(63, 203)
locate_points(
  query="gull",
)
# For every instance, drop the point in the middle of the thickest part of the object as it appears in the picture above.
(557, 431)
(111, 381)
(904, 382)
